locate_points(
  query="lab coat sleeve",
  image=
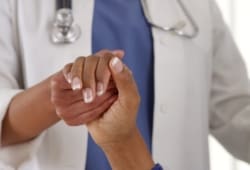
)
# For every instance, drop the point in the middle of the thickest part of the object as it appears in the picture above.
(230, 97)
(10, 83)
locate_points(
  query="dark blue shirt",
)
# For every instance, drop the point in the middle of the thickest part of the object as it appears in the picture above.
(121, 24)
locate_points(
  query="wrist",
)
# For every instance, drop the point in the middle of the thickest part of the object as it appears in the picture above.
(20, 124)
(131, 153)
(123, 143)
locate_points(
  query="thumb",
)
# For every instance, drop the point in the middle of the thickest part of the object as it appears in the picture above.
(123, 78)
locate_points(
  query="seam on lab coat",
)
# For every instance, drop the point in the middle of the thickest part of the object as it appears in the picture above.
(6, 96)
(16, 41)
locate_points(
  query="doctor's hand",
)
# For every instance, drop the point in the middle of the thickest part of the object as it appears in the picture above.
(116, 131)
(119, 121)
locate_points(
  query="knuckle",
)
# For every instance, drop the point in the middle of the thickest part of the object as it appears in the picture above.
(102, 68)
(108, 57)
(94, 60)
(78, 64)
(103, 52)
(67, 66)
(56, 81)
(78, 59)
(67, 69)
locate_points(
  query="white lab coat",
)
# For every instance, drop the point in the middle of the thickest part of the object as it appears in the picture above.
(201, 85)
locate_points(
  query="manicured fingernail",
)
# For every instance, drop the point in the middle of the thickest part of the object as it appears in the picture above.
(88, 95)
(69, 78)
(117, 65)
(99, 89)
(76, 84)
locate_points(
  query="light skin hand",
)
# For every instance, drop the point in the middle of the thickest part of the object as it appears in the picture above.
(69, 104)
(31, 111)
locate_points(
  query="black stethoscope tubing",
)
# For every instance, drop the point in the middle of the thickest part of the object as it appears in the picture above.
(63, 4)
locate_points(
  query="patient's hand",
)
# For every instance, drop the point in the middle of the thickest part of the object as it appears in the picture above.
(84, 90)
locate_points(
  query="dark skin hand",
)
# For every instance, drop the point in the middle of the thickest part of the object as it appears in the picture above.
(115, 129)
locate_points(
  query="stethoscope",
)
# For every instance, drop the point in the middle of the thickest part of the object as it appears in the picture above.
(65, 30)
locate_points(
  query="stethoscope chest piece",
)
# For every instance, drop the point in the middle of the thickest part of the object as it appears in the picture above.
(64, 29)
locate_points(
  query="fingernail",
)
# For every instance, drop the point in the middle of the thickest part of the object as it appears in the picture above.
(117, 65)
(88, 95)
(69, 78)
(76, 84)
(99, 89)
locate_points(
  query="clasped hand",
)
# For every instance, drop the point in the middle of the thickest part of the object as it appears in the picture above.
(100, 92)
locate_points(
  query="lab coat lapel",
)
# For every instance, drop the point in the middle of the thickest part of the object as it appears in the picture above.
(170, 93)
(169, 79)
(179, 121)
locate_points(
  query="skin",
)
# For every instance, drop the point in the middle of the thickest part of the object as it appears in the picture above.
(41, 106)
(108, 112)
(115, 130)
(85, 70)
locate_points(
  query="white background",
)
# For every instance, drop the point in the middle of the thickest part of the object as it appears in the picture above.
(237, 16)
